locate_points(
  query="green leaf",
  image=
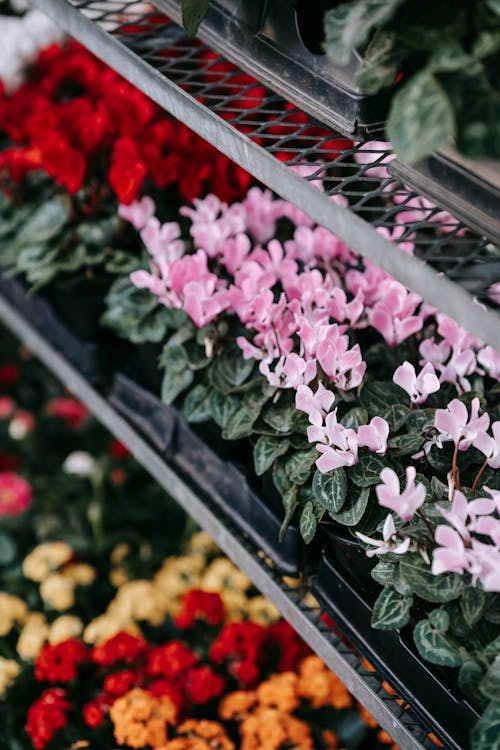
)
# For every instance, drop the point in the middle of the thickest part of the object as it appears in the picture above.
(492, 611)
(396, 415)
(490, 684)
(354, 418)
(229, 370)
(449, 56)
(472, 603)
(266, 451)
(436, 647)
(299, 464)
(378, 396)
(280, 415)
(380, 64)
(350, 25)
(494, 5)
(469, 677)
(400, 584)
(367, 471)
(383, 572)
(421, 119)
(440, 620)
(330, 490)
(486, 43)
(223, 407)
(354, 507)
(391, 610)
(197, 407)
(193, 12)
(8, 549)
(403, 445)
(178, 376)
(289, 504)
(45, 223)
(439, 589)
(308, 523)
(281, 477)
(486, 733)
(420, 420)
(239, 425)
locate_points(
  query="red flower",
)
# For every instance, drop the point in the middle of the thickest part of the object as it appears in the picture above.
(9, 373)
(243, 647)
(9, 462)
(62, 162)
(121, 647)
(291, 648)
(46, 716)
(60, 663)
(120, 683)
(118, 450)
(171, 690)
(95, 712)
(70, 410)
(203, 685)
(170, 660)
(7, 406)
(204, 605)
(127, 171)
(15, 494)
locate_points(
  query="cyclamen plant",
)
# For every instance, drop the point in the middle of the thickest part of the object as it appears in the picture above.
(357, 396)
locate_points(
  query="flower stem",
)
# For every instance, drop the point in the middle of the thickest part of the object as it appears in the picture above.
(478, 476)
(424, 518)
(454, 468)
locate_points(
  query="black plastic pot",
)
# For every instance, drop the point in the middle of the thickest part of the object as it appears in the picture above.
(279, 43)
(470, 190)
(221, 482)
(350, 558)
(143, 366)
(80, 312)
(430, 690)
(97, 360)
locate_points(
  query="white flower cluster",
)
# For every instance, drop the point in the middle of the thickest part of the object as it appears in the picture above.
(21, 39)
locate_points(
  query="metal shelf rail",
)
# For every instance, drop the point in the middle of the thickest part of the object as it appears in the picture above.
(452, 268)
(367, 686)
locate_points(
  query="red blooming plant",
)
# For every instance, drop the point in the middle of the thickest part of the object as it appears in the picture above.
(80, 139)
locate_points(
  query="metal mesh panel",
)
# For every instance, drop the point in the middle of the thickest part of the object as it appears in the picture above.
(294, 138)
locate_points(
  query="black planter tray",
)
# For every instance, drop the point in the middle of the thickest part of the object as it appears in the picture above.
(220, 481)
(470, 190)
(394, 656)
(276, 42)
(95, 360)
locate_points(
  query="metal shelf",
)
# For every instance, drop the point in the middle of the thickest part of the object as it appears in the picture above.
(259, 130)
(398, 720)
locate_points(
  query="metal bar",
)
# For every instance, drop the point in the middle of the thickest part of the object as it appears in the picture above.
(434, 287)
(339, 657)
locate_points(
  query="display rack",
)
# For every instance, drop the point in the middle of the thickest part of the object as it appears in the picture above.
(292, 600)
(452, 268)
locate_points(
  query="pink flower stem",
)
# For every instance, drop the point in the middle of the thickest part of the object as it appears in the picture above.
(454, 468)
(478, 476)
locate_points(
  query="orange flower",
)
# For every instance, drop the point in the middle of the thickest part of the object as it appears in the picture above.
(270, 729)
(140, 718)
(200, 735)
(236, 705)
(279, 691)
(330, 739)
(319, 685)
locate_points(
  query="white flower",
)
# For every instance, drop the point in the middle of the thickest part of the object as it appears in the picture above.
(389, 543)
(80, 463)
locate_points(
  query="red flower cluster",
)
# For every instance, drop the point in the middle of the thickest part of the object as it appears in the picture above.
(70, 410)
(9, 373)
(200, 605)
(46, 716)
(78, 120)
(121, 647)
(60, 663)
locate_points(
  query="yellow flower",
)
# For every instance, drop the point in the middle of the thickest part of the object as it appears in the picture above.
(203, 544)
(105, 626)
(118, 577)
(9, 669)
(262, 611)
(33, 636)
(82, 574)
(58, 592)
(12, 610)
(46, 558)
(64, 627)
(119, 553)
(222, 574)
(179, 574)
(138, 600)
(235, 603)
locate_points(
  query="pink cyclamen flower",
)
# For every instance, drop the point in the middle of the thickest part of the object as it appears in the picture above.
(7, 406)
(291, 371)
(393, 313)
(489, 358)
(344, 366)
(405, 503)
(138, 213)
(485, 565)
(389, 543)
(337, 444)
(315, 405)
(490, 446)
(418, 387)
(455, 424)
(451, 556)
(374, 435)
(15, 494)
